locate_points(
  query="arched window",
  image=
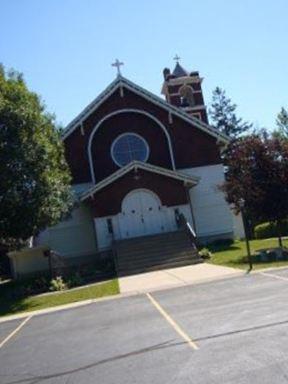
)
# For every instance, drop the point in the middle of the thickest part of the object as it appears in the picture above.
(128, 147)
(187, 96)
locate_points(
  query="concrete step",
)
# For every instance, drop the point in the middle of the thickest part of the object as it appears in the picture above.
(155, 235)
(151, 268)
(156, 244)
(155, 239)
(169, 259)
(154, 248)
(154, 252)
(159, 257)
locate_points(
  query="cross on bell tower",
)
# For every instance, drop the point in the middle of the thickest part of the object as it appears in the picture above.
(177, 58)
(117, 65)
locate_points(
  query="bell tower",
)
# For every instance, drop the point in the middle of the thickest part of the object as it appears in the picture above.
(182, 89)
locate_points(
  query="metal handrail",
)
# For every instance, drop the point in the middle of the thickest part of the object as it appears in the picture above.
(188, 228)
(191, 230)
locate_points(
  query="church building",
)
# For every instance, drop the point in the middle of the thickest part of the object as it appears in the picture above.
(139, 162)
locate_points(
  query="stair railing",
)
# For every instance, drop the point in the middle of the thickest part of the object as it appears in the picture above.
(184, 223)
(113, 243)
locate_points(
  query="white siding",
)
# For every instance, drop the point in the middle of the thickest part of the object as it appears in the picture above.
(104, 238)
(72, 237)
(28, 260)
(212, 214)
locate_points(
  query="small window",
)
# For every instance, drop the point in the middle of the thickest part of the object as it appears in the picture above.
(129, 147)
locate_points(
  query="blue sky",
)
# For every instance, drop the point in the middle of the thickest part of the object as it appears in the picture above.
(65, 48)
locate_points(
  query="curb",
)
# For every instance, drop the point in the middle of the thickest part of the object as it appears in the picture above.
(114, 297)
(270, 269)
(132, 293)
(63, 307)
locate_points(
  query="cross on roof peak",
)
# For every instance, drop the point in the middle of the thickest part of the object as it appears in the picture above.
(117, 64)
(177, 58)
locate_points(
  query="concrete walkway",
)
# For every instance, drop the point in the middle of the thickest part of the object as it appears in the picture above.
(175, 277)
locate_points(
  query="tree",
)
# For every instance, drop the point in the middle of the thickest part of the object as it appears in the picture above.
(222, 113)
(282, 124)
(34, 176)
(257, 171)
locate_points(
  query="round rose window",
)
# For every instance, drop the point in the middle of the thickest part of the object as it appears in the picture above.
(128, 147)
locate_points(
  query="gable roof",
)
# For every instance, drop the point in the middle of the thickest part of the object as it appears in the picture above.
(134, 165)
(122, 82)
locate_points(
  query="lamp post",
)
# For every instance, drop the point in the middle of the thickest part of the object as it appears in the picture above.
(242, 206)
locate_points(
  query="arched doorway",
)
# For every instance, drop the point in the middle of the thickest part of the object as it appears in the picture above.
(141, 214)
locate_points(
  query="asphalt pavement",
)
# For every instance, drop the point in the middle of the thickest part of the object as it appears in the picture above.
(228, 331)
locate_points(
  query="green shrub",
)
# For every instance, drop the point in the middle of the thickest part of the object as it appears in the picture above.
(58, 284)
(267, 230)
(205, 253)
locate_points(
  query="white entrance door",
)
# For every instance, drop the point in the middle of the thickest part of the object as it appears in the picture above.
(142, 214)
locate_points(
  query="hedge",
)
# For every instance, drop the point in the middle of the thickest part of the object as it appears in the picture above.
(267, 230)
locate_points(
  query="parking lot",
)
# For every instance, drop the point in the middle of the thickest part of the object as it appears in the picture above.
(228, 331)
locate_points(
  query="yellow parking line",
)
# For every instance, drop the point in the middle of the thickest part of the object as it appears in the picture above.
(15, 331)
(177, 328)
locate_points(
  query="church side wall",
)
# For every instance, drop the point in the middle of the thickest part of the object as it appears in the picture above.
(72, 237)
(213, 217)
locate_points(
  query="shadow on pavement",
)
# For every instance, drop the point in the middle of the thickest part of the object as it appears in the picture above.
(38, 379)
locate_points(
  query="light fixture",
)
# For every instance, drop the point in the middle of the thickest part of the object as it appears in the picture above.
(136, 174)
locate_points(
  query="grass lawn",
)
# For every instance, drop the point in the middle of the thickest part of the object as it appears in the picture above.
(11, 304)
(235, 255)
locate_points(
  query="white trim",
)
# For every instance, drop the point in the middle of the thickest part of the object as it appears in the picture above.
(197, 115)
(126, 110)
(121, 91)
(177, 93)
(125, 134)
(142, 190)
(186, 79)
(82, 129)
(195, 108)
(192, 180)
(121, 81)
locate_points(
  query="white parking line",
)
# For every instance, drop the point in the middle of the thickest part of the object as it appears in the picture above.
(15, 331)
(177, 327)
(275, 276)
